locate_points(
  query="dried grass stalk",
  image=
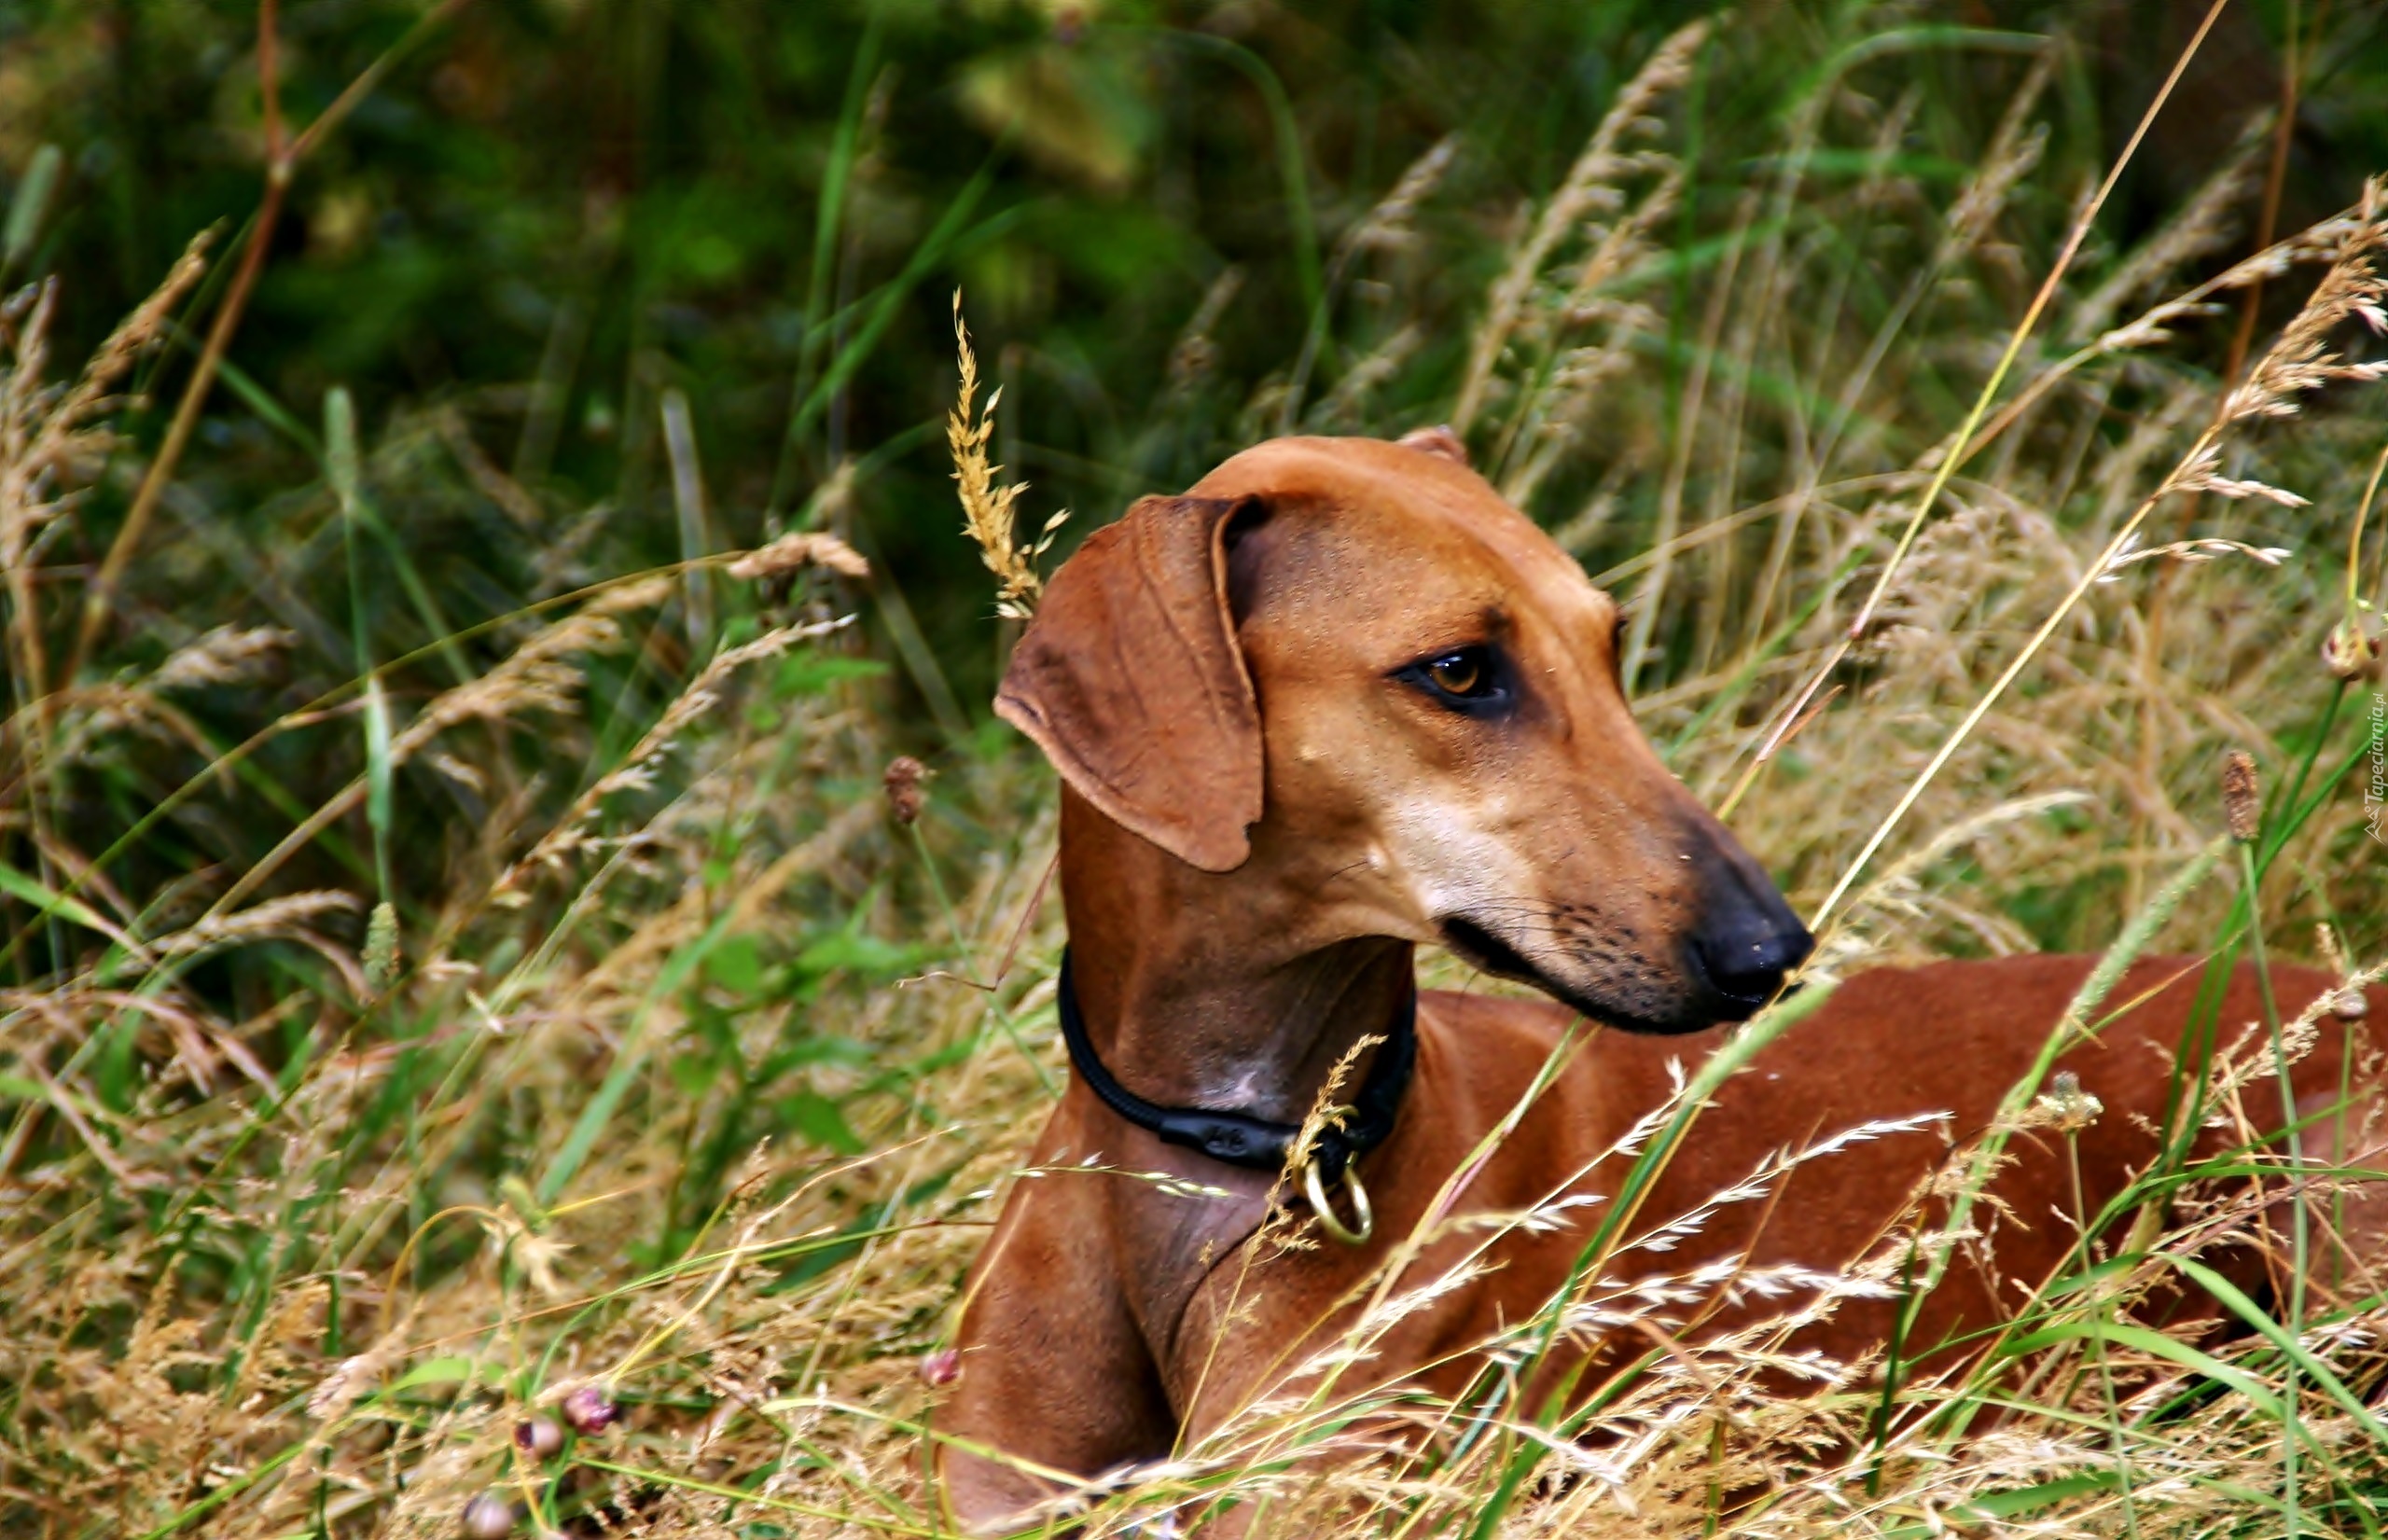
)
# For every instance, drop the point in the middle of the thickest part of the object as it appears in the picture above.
(989, 512)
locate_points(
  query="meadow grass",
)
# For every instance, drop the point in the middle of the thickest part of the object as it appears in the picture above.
(549, 1072)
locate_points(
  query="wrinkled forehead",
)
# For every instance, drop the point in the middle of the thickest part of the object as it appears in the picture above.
(1421, 548)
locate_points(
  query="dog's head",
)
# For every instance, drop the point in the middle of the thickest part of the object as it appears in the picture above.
(1348, 665)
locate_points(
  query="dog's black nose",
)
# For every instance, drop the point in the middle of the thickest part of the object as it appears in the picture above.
(1747, 957)
(1747, 939)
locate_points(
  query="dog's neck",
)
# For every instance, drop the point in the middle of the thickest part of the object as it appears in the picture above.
(1200, 990)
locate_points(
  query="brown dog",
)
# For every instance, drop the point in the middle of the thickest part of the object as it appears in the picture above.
(1341, 700)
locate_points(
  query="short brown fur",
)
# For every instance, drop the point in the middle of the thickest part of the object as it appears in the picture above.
(1243, 894)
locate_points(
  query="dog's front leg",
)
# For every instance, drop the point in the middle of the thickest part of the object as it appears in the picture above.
(1052, 1373)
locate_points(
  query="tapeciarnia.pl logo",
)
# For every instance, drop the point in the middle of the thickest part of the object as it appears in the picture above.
(2375, 790)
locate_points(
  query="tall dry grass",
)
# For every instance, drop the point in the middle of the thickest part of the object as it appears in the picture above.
(381, 1185)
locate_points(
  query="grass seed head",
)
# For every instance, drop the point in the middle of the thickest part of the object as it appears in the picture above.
(905, 788)
(989, 512)
(801, 548)
(2068, 1106)
(2243, 805)
(382, 946)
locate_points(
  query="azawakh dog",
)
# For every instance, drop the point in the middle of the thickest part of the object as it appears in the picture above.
(1338, 702)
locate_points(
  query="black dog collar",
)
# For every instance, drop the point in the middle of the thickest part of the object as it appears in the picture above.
(1237, 1138)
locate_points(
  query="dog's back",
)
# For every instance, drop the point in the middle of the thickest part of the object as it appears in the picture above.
(1936, 1047)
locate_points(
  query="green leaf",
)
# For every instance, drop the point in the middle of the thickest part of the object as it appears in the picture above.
(32, 889)
(825, 1050)
(2076, 1282)
(694, 1073)
(2158, 1345)
(819, 1119)
(31, 201)
(2279, 1335)
(810, 673)
(2022, 1500)
(434, 1371)
(866, 955)
(736, 965)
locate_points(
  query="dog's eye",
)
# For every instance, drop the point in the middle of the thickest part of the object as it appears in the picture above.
(1460, 674)
(1465, 679)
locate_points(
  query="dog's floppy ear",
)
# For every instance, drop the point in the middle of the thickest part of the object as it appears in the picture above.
(1131, 681)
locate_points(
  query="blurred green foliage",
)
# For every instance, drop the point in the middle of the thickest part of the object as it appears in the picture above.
(549, 214)
(553, 210)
